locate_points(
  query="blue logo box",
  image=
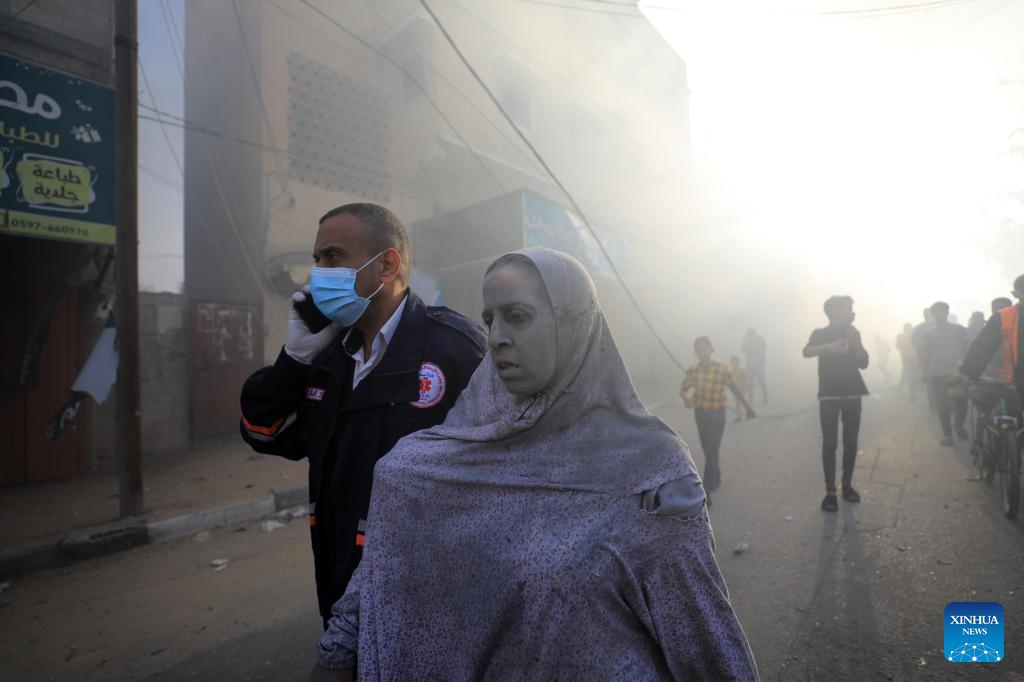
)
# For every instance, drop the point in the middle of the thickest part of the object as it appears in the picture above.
(974, 632)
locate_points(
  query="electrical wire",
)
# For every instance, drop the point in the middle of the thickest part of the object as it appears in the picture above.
(281, 174)
(170, 182)
(273, 148)
(637, 13)
(592, 10)
(919, 6)
(230, 211)
(159, 254)
(498, 129)
(232, 206)
(181, 169)
(572, 83)
(419, 85)
(964, 25)
(369, 3)
(179, 122)
(17, 14)
(558, 182)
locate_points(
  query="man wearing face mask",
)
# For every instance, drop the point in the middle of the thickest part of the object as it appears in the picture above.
(387, 365)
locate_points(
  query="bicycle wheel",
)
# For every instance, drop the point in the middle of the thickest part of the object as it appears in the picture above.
(983, 450)
(988, 455)
(1009, 474)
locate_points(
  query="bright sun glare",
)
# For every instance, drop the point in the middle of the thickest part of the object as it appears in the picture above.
(873, 147)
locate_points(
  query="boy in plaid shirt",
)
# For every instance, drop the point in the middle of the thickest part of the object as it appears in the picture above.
(708, 380)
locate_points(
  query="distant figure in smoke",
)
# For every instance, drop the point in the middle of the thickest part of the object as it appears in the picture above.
(708, 380)
(918, 338)
(755, 349)
(942, 348)
(882, 350)
(739, 375)
(975, 324)
(910, 370)
(841, 356)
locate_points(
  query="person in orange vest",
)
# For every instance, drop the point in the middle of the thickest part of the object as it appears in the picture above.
(1002, 336)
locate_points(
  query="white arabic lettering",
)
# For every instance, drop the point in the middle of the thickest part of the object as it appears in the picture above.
(27, 135)
(43, 105)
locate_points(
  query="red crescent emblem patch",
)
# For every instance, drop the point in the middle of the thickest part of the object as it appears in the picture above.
(432, 386)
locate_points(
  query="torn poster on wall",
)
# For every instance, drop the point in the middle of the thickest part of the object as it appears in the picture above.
(96, 378)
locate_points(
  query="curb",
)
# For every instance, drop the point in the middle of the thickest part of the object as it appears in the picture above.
(105, 539)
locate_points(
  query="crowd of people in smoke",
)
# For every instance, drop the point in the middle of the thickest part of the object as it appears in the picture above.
(939, 354)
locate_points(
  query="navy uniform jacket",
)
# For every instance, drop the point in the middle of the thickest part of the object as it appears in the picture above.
(296, 410)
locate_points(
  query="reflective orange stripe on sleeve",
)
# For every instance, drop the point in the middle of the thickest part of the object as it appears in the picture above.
(264, 430)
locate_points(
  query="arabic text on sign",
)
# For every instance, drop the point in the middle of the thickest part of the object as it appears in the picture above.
(47, 182)
(42, 105)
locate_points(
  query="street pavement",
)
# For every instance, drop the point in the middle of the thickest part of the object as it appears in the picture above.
(855, 595)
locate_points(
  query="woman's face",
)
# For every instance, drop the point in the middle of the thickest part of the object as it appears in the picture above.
(521, 330)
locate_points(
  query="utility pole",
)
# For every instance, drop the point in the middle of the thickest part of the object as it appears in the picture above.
(128, 440)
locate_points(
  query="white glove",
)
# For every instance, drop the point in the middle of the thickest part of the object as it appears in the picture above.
(301, 344)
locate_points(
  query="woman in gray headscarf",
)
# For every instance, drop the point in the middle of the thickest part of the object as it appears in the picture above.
(550, 528)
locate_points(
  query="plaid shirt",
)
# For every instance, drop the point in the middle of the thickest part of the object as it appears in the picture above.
(709, 382)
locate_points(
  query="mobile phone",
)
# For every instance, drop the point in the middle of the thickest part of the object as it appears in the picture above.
(310, 314)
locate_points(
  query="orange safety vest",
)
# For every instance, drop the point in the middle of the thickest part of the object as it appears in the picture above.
(1010, 318)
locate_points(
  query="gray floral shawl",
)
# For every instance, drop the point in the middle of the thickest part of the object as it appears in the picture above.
(561, 536)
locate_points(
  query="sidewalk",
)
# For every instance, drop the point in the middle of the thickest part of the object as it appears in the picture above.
(55, 522)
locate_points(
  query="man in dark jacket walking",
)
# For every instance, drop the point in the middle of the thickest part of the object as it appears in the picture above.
(343, 395)
(841, 357)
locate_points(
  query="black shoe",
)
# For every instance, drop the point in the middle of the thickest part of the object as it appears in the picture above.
(850, 495)
(829, 503)
(961, 433)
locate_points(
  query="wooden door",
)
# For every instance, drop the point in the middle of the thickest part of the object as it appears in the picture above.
(32, 275)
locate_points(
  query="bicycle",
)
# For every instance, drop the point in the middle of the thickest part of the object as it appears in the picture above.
(997, 437)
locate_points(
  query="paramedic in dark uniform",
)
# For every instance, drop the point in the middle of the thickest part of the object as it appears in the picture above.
(386, 366)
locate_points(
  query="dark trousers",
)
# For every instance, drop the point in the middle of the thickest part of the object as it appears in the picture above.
(943, 401)
(847, 409)
(710, 427)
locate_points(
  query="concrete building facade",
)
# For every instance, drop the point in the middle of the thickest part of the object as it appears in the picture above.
(291, 111)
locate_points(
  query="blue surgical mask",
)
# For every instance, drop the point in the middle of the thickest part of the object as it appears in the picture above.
(334, 293)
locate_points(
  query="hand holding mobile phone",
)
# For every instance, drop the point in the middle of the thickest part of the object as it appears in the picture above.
(310, 314)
